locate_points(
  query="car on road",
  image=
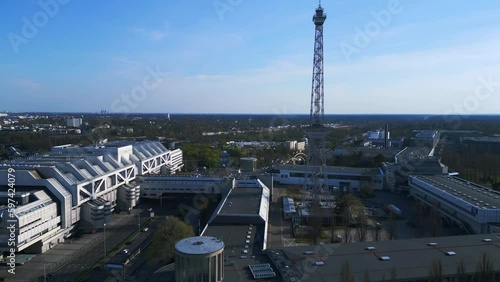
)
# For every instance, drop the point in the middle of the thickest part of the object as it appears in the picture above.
(145, 229)
(126, 251)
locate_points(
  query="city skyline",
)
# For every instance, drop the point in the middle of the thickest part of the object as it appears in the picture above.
(383, 57)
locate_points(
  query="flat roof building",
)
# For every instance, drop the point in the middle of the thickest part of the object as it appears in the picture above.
(475, 208)
(407, 260)
(77, 185)
(241, 222)
(338, 176)
(481, 145)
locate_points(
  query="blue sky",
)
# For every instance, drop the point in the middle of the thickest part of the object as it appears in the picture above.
(249, 56)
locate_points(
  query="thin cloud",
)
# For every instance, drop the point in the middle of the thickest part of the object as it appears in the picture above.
(150, 34)
(27, 84)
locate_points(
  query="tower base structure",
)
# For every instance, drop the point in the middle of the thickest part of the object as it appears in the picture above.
(315, 189)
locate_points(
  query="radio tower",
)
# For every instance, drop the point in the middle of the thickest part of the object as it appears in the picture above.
(315, 182)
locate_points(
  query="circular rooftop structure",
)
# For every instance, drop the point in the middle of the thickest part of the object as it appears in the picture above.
(199, 259)
(200, 245)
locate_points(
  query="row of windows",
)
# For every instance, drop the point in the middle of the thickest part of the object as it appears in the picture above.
(174, 189)
(340, 177)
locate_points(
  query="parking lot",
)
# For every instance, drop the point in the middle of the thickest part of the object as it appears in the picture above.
(404, 226)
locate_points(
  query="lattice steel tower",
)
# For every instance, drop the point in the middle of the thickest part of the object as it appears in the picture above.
(315, 182)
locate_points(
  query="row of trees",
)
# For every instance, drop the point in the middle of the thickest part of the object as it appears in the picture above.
(479, 168)
(358, 160)
(349, 216)
(484, 272)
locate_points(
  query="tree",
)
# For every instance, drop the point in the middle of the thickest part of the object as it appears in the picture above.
(461, 272)
(394, 274)
(345, 273)
(346, 218)
(436, 272)
(349, 207)
(484, 269)
(333, 222)
(168, 233)
(419, 219)
(316, 222)
(367, 191)
(295, 192)
(437, 222)
(376, 230)
(391, 226)
(366, 276)
(361, 227)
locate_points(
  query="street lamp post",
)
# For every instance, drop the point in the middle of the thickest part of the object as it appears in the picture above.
(104, 240)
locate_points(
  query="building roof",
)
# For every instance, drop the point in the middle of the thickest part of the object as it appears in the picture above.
(426, 134)
(333, 169)
(410, 258)
(244, 205)
(199, 245)
(242, 201)
(481, 139)
(241, 223)
(288, 205)
(477, 195)
(237, 239)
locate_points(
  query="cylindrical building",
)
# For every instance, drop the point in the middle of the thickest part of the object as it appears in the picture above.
(199, 259)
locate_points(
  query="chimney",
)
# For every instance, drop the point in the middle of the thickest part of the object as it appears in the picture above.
(386, 136)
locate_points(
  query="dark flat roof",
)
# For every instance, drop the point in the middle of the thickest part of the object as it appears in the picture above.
(476, 195)
(234, 238)
(242, 201)
(333, 169)
(482, 139)
(411, 258)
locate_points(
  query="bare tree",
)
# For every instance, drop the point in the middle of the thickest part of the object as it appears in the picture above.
(345, 273)
(484, 269)
(437, 222)
(316, 223)
(391, 226)
(419, 219)
(376, 230)
(361, 226)
(436, 272)
(366, 276)
(333, 221)
(461, 272)
(394, 275)
(346, 220)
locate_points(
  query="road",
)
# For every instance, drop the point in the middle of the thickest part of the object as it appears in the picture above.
(115, 235)
(279, 229)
